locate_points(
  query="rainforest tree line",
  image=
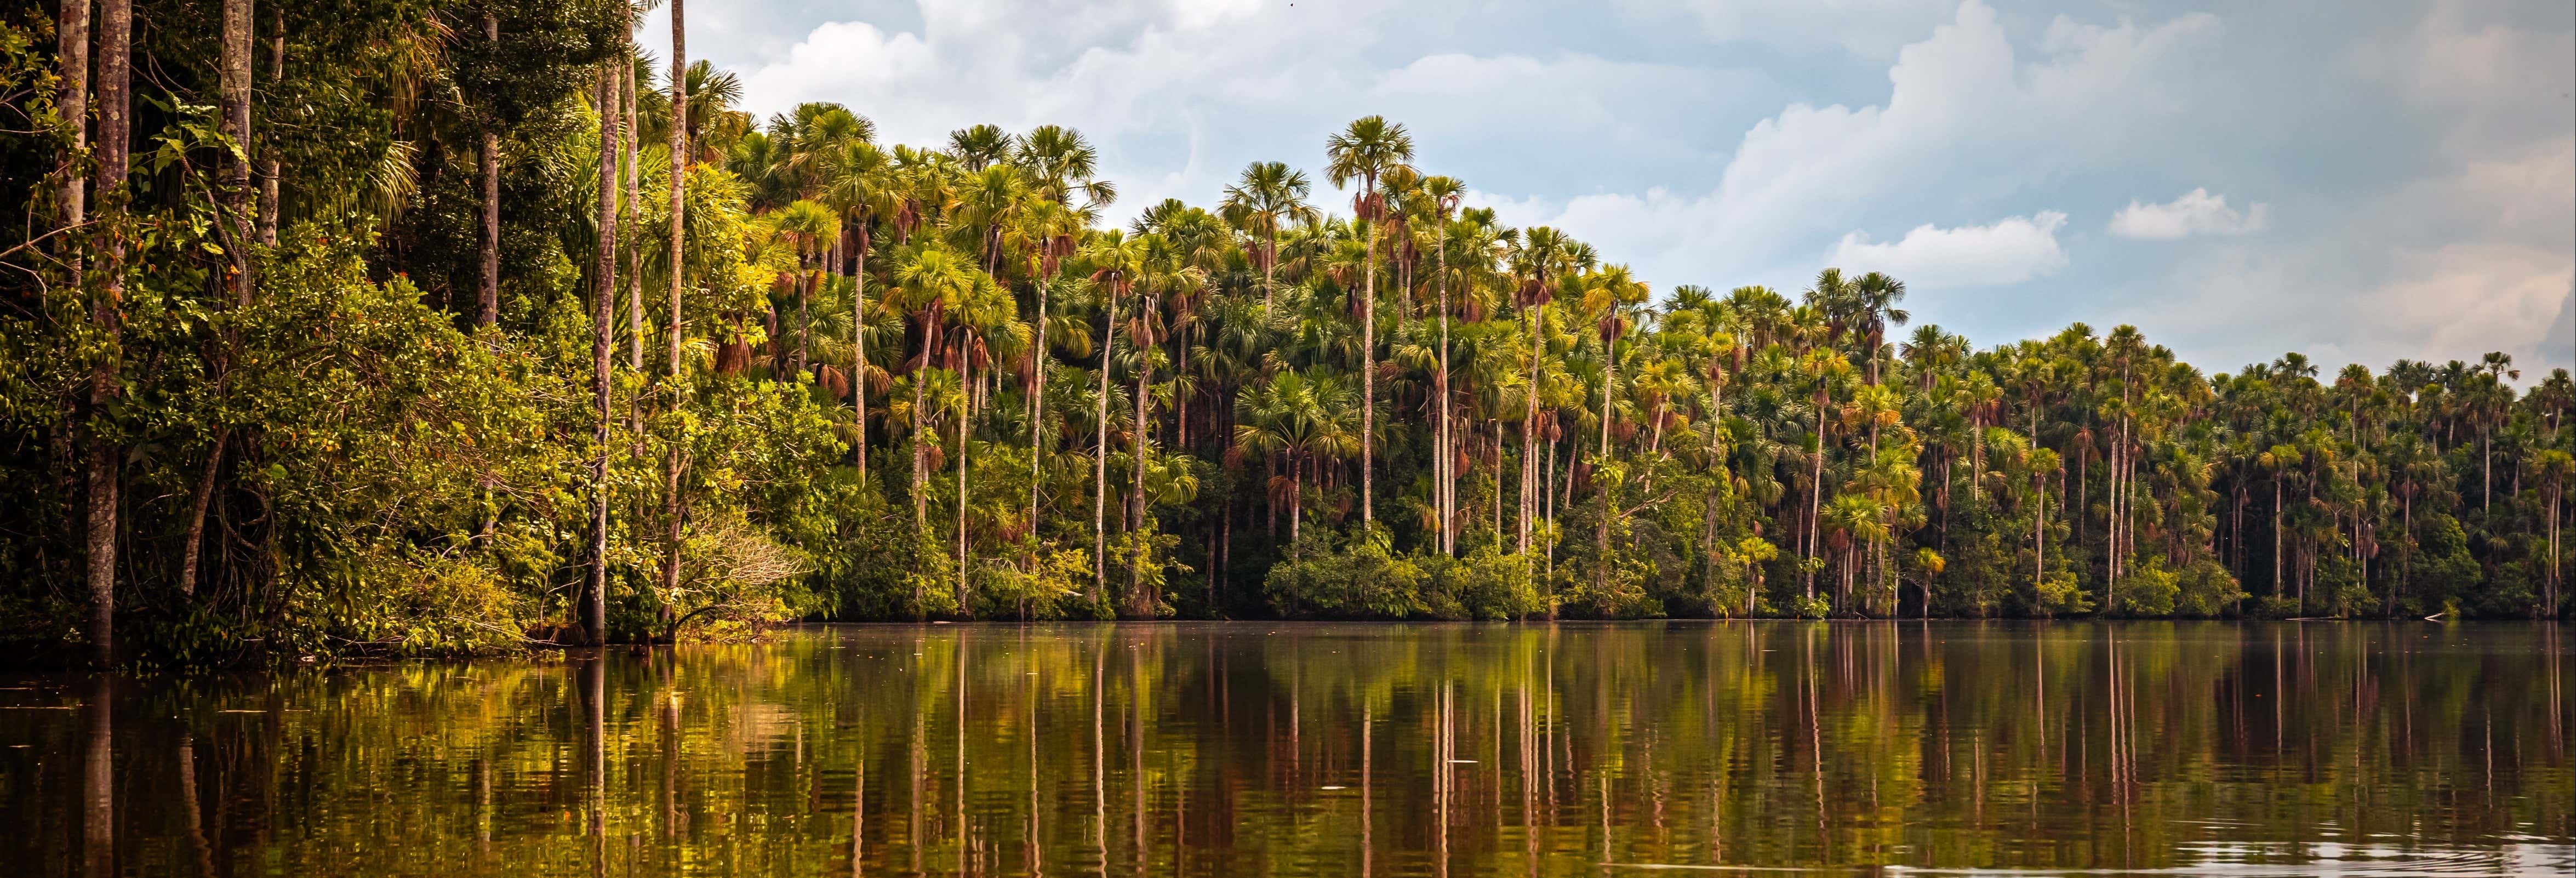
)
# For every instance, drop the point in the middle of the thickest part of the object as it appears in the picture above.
(433, 326)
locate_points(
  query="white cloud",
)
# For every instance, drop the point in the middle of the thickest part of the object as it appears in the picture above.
(1966, 123)
(1869, 28)
(2195, 213)
(2010, 250)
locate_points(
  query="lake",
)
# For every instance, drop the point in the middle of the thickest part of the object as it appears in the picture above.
(1317, 749)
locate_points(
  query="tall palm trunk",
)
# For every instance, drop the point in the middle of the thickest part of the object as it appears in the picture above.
(115, 98)
(1368, 374)
(1601, 528)
(1296, 504)
(1270, 268)
(1100, 461)
(603, 355)
(629, 217)
(859, 243)
(921, 433)
(1529, 430)
(1446, 458)
(1816, 494)
(964, 417)
(804, 316)
(487, 291)
(1140, 604)
(679, 179)
(1037, 405)
(2039, 530)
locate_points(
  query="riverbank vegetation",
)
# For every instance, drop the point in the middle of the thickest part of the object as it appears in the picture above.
(431, 327)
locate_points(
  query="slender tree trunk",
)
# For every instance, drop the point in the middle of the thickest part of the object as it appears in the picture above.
(603, 355)
(1444, 478)
(1601, 471)
(921, 434)
(964, 419)
(804, 316)
(268, 172)
(1037, 406)
(1368, 377)
(189, 553)
(859, 340)
(234, 85)
(1529, 432)
(1296, 505)
(73, 103)
(106, 457)
(2039, 532)
(1270, 268)
(629, 217)
(1140, 604)
(488, 290)
(676, 462)
(1100, 462)
(2276, 535)
(1816, 498)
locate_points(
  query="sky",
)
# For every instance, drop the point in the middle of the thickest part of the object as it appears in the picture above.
(2361, 182)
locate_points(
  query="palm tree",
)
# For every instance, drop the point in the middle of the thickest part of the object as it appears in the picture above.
(929, 282)
(811, 227)
(1538, 259)
(1267, 196)
(1444, 193)
(1115, 261)
(1064, 164)
(1048, 230)
(859, 186)
(980, 146)
(1365, 151)
(1609, 293)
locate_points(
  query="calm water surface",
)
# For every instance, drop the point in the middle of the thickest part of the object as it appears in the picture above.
(1271, 749)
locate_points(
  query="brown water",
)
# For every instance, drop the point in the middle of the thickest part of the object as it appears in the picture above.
(1272, 749)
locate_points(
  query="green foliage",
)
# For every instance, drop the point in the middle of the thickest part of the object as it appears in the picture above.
(850, 424)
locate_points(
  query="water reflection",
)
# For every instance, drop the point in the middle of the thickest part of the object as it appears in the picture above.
(1334, 750)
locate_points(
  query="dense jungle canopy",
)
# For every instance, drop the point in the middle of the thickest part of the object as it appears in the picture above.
(421, 326)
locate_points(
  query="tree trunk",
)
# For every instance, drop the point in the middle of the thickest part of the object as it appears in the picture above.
(268, 172)
(488, 290)
(1600, 471)
(1100, 462)
(1529, 432)
(115, 98)
(189, 553)
(1037, 407)
(1816, 497)
(679, 184)
(1140, 605)
(964, 418)
(603, 355)
(2039, 532)
(1368, 377)
(859, 339)
(630, 217)
(1443, 478)
(234, 85)
(73, 104)
(2276, 535)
